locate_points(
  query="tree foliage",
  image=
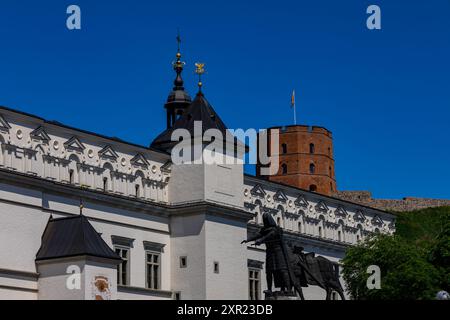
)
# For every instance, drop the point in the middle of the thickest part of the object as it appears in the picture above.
(414, 263)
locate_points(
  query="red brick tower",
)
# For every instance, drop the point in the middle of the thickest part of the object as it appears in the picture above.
(305, 159)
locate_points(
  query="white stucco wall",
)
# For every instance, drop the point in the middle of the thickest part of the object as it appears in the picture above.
(223, 245)
(188, 240)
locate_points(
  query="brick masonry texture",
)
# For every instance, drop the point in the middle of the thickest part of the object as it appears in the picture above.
(307, 154)
(405, 204)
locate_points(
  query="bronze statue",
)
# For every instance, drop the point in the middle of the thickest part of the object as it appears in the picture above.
(316, 271)
(278, 267)
(289, 268)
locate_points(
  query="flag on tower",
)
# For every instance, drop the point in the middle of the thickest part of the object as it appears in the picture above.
(293, 99)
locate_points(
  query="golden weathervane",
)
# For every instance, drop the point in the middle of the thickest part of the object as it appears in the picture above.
(199, 69)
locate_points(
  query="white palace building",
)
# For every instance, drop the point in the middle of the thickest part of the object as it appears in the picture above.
(148, 229)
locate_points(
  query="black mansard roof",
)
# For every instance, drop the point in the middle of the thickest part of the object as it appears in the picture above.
(72, 237)
(199, 110)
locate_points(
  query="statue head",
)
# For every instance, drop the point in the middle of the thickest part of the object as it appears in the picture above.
(268, 220)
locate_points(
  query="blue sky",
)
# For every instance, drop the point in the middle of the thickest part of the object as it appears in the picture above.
(384, 94)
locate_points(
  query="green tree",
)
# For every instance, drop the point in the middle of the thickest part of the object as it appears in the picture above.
(405, 271)
(440, 253)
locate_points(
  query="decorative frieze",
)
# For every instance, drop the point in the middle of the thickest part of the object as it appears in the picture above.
(322, 214)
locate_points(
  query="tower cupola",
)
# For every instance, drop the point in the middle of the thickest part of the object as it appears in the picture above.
(178, 100)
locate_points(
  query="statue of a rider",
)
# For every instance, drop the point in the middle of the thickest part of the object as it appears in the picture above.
(278, 269)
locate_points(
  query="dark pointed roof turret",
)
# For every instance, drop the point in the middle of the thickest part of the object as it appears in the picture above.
(178, 100)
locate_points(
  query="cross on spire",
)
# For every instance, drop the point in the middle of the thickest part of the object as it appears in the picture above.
(178, 39)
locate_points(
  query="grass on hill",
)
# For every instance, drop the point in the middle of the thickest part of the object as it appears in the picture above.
(422, 225)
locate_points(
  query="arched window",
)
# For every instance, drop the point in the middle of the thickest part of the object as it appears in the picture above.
(339, 235)
(108, 177)
(313, 188)
(359, 235)
(139, 184)
(105, 184)
(71, 176)
(329, 170)
(312, 168)
(74, 174)
(279, 221)
(299, 227)
(284, 148)
(331, 186)
(312, 148)
(284, 168)
(321, 227)
(258, 214)
(137, 191)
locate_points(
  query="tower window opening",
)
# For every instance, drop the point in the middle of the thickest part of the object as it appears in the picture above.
(313, 188)
(312, 148)
(284, 148)
(284, 168)
(312, 168)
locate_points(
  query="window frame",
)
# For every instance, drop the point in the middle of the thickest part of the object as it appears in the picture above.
(254, 284)
(149, 265)
(123, 243)
(120, 265)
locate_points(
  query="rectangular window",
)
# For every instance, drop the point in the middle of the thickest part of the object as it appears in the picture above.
(254, 283)
(153, 270)
(183, 262)
(123, 268)
(216, 267)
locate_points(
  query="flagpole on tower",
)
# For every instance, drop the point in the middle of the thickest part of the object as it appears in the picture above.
(293, 106)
